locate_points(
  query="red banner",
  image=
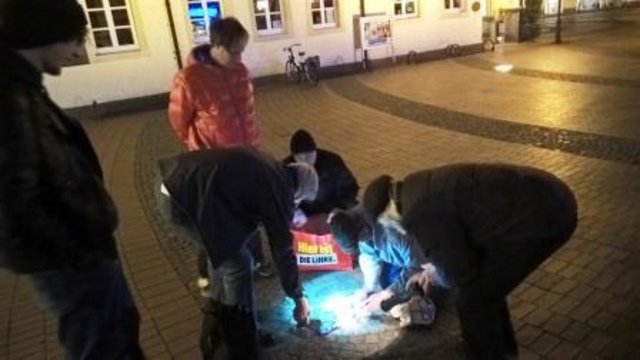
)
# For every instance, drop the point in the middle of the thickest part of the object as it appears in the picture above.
(316, 249)
(319, 252)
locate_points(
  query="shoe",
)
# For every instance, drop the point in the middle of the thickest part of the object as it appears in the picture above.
(204, 286)
(264, 269)
(421, 312)
(266, 338)
(398, 311)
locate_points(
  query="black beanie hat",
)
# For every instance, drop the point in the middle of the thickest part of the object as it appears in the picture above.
(26, 24)
(301, 142)
(377, 195)
(345, 227)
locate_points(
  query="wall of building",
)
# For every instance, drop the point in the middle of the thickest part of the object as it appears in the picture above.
(121, 76)
(149, 70)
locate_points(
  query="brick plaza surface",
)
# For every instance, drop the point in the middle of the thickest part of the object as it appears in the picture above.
(571, 109)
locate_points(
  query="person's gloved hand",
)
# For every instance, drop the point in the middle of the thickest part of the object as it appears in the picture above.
(301, 311)
(422, 280)
(372, 303)
(299, 218)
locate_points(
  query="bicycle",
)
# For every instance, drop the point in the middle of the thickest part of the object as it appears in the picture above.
(453, 50)
(308, 68)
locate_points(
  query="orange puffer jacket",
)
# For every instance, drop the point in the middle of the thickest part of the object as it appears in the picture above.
(212, 106)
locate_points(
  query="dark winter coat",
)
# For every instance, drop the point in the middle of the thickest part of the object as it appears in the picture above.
(461, 213)
(54, 209)
(337, 188)
(226, 193)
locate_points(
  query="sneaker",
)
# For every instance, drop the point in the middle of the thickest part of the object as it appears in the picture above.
(422, 312)
(398, 311)
(203, 284)
(264, 269)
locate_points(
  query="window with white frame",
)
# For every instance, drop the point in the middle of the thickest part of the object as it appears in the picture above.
(453, 5)
(201, 14)
(405, 8)
(269, 16)
(323, 13)
(111, 25)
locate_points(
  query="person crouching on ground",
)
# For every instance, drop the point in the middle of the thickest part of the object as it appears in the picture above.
(338, 187)
(388, 257)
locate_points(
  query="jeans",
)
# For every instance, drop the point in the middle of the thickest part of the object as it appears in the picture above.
(232, 289)
(255, 248)
(97, 318)
(229, 313)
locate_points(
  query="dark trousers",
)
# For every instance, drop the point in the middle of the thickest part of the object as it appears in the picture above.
(97, 318)
(482, 306)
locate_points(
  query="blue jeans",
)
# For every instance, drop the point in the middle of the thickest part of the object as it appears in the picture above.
(254, 245)
(232, 281)
(232, 288)
(97, 318)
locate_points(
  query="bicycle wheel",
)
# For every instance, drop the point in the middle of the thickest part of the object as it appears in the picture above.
(455, 50)
(488, 45)
(312, 73)
(291, 71)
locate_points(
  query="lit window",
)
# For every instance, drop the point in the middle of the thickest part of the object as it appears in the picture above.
(269, 17)
(405, 8)
(323, 13)
(201, 14)
(453, 5)
(111, 25)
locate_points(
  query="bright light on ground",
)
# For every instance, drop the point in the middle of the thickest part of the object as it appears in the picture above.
(503, 68)
(348, 314)
(331, 296)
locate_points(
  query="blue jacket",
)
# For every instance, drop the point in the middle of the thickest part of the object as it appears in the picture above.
(392, 246)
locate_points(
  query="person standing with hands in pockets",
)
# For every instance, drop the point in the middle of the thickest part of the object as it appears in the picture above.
(56, 217)
(212, 106)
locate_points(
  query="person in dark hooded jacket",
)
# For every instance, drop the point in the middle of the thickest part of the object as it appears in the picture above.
(226, 194)
(338, 187)
(57, 220)
(486, 227)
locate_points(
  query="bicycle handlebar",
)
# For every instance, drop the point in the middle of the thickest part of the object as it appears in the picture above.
(288, 48)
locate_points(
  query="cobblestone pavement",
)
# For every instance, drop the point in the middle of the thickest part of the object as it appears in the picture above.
(570, 109)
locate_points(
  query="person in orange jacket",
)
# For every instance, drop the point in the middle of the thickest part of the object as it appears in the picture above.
(212, 105)
(212, 102)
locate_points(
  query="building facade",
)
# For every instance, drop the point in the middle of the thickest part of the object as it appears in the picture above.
(134, 46)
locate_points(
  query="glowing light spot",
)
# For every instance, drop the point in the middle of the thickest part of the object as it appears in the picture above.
(503, 68)
(348, 314)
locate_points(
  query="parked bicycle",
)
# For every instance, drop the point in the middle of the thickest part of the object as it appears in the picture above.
(453, 50)
(308, 68)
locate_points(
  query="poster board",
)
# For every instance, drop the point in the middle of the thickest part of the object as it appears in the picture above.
(320, 253)
(316, 249)
(375, 32)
